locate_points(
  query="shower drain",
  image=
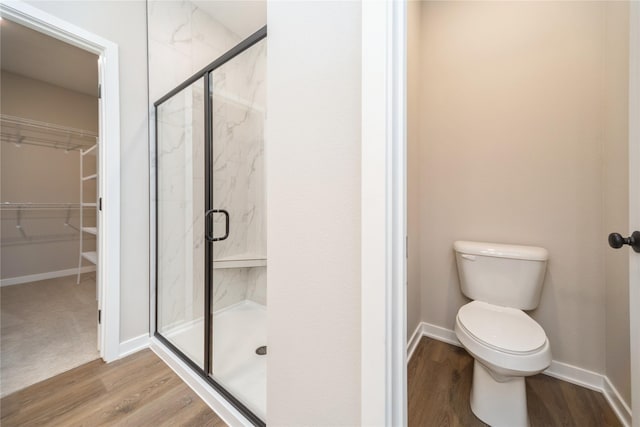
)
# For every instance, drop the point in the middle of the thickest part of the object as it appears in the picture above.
(262, 350)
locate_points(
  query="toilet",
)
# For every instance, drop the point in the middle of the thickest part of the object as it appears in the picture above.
(507, 345)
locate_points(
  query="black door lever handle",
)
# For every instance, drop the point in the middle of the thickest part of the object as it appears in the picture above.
(616, 241)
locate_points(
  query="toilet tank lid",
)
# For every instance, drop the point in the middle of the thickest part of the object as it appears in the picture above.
(499, 250)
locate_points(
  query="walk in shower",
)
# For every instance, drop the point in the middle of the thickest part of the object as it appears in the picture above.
(211, 240)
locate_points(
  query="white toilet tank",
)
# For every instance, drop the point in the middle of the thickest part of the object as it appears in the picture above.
(506, 275)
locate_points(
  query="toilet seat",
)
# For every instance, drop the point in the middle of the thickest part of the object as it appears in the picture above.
(503, 329)
(503, 352)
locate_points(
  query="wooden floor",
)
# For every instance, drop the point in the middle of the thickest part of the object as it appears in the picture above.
(139, 390)
(439, 377)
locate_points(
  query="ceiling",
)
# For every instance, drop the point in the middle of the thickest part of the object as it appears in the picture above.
(32, 54)
(241, 17)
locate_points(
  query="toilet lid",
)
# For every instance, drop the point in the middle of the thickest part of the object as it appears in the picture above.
(503, 328)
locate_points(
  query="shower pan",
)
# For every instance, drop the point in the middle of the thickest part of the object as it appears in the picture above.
(210, 226)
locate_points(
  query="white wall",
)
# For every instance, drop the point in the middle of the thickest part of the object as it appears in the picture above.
(522, 117)
(42, 175)
(37, 100)
(313, 213)
(124, 23)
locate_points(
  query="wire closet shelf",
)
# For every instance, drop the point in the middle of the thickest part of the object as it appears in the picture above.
(15, 206)
(21, 131)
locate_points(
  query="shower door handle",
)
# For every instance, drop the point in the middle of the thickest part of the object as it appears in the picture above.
(208, 218)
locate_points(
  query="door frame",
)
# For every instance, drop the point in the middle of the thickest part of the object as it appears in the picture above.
(108, 238)
(383, 174)
(383, 215)
(634, 205)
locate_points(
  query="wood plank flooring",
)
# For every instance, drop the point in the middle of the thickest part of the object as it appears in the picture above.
(139, 390)
(439, 377)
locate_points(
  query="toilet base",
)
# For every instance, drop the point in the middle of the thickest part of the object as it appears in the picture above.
(499, 404)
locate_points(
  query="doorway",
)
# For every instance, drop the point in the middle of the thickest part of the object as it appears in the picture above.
(489, 184)
(108, 162)
(49, 120)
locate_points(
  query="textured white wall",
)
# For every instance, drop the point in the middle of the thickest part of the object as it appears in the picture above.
(124, 23)
(313, 213)
(522, 123)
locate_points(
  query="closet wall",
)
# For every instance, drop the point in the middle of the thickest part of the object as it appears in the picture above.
(41, 175)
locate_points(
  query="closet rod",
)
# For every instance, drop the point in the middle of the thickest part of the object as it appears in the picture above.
(32, 205)
(18, 131)
(43, 143)
(35, 124)
(18, 241)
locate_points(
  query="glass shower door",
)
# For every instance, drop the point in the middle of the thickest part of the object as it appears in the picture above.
(180, 221)
(238, 297)
(211, 240)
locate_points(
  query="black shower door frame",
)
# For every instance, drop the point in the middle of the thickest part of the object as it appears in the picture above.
(204, 73)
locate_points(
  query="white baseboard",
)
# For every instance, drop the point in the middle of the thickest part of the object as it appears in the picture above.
(616, 402)
(213, 399)
(432, 331)
(44, 276)
(562, 371)
(574, 375)
(413, 342)
(441, 334)
(133, 345)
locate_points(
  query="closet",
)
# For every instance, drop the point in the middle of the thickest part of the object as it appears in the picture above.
(49, 176)
(44, 203)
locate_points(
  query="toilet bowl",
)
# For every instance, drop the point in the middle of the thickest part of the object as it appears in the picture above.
(507, 345)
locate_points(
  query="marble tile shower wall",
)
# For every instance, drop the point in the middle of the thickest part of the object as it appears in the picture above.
(233, 285)
(180, 222)
(238, 152)
(182, 40)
